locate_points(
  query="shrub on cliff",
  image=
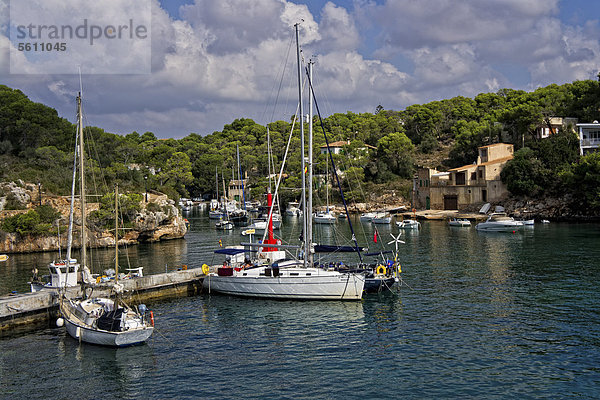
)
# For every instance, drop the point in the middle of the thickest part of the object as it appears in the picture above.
(33, 222)
(129, 206)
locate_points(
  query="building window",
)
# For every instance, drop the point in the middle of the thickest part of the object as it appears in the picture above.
(473, 176)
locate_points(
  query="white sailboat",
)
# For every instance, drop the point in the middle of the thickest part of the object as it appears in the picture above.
(273, 277)
(102, 321)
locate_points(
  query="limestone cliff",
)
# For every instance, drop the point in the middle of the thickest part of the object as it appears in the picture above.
(159, 219)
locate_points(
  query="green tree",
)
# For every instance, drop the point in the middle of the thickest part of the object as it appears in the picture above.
(177, 172)
(524, 174)
(583, 180)
(396, 149)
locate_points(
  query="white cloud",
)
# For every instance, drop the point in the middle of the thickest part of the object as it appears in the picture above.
(337, 29)
(103, 36)
(223, 59)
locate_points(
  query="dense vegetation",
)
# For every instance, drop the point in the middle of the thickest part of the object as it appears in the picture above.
(36, 145)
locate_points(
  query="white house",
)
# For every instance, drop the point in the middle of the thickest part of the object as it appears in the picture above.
(589, 137)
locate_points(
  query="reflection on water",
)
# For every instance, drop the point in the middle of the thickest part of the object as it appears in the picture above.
(485, 316)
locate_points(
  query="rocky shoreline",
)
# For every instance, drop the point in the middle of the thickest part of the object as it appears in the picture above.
(162, 221)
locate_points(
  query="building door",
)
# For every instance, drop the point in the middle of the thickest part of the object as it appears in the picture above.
(427, 203)
(451, 202)
(484, 195)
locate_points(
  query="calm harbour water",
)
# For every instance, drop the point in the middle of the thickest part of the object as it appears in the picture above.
(479, 316)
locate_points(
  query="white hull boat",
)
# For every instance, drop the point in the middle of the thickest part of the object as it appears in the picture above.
(224, 225)
(367, 217)
(292, 283)
(459, 222)
(95, 321)
(382, 219)
(408, 224)
(324, 218)
(215, 214)
(62, 274)
(499, 222)
(293, 210)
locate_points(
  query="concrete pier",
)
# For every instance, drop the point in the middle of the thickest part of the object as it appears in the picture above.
(41, 308)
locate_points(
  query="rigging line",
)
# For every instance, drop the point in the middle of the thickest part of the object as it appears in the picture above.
(282, 68)
(334, 169)
(316, 77)
(283, 164)
(281, 173)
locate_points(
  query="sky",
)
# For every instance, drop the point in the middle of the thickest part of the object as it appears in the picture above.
(204, 63)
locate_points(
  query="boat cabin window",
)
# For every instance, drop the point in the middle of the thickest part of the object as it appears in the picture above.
(308, 274)
(294, 274)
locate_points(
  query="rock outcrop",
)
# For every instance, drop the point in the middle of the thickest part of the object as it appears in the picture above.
(159, 219)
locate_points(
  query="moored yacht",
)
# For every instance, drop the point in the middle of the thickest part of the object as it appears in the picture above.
(499, 222)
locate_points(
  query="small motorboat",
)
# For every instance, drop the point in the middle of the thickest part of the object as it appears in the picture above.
(382, 218)
(325, 217)
(367, 217)
(408, 224)
(293, 209)
(499, 222)
(224, 225)
(3, 257)
(460, 222)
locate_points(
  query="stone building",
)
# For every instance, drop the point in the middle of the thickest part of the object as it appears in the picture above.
(467, 185)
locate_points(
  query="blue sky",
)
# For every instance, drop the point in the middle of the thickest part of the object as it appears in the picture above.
(214, 61)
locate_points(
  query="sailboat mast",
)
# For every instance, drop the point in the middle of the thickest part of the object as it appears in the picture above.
(70, 230)
(269, 155)
(306, 218)
(116, 232)
(309, 207)
(243, 196)
(82, 184)
(217, 182)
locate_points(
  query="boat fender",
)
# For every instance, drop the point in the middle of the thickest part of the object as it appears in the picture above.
(151, 318)
(60, 322)
(205, 269)
(381, 270)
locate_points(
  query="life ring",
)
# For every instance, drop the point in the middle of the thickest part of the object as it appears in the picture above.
(205, 269)
(381, 270)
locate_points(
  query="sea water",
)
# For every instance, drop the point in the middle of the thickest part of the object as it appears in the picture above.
(478, 315)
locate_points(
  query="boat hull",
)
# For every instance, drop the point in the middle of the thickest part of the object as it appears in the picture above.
(377, 285)
(459, 223)
(408, 224)
(298, 283)
(495, 227)
(385, 220)
(107, 338)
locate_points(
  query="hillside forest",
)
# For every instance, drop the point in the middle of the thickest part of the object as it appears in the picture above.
(36, 145)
